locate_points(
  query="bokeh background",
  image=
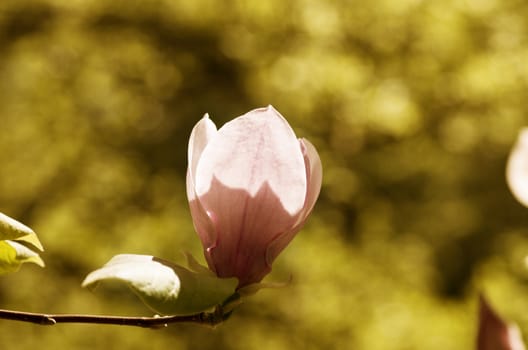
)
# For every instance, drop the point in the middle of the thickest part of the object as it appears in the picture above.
(414, 106)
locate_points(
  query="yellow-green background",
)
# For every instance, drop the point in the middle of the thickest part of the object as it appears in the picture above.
(414, 106)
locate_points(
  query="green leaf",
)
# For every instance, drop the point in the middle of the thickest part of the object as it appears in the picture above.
(195, 266)
(13, 254)
(255, 287)
(17, 245)
(8, 262)
(14, 230)
(166, 288)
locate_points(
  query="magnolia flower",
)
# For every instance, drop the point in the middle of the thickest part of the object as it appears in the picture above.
(251, 186)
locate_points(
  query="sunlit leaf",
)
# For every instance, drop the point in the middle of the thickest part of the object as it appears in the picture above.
(8, 262)
(166, 288)
(13, 254)
(494, 333)
(14, 230)
(17, 245)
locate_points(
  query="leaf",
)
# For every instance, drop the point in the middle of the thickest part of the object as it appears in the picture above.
(8, 262)
(14, 230)
(253, 288)
(494, 333)
(17, 244)
(195, 266)
(166, 288)
(13, 254)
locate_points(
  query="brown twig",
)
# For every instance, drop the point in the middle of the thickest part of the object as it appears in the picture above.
(205, 318)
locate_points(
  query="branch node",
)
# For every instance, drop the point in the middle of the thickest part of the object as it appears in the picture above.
(48, 321)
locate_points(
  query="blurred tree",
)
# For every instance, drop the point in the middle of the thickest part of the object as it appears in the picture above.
(414, 106)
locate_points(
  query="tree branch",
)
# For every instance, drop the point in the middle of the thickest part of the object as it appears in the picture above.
(210, 319)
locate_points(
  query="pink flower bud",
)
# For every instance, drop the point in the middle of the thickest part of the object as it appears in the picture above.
(251, 185)
(494, 333)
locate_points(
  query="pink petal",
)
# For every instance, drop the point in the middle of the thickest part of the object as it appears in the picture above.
(201, 220)
(314, 175)
(517, 168)
(201, 134)
(245, 225)
(494, 333)
(256, 148)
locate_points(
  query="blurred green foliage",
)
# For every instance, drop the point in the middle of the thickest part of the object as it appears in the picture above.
(414, 106)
